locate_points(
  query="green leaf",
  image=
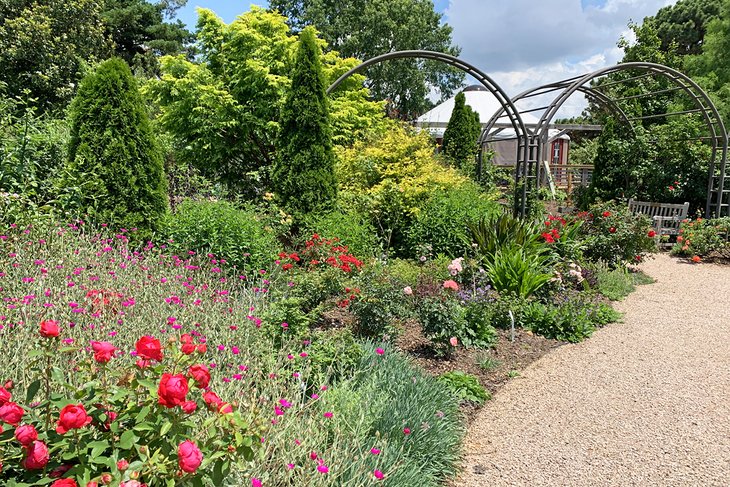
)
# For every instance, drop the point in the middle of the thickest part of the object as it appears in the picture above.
(127, 440)
(32, 390)
(142, 414)
(165, 428)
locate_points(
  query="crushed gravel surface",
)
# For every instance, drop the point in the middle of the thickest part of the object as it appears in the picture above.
(645, 402)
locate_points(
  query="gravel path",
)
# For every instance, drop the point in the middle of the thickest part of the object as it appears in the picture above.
(645, 402)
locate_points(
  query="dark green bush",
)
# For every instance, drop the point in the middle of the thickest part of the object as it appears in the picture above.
(444, 318)
(573, 320)
(443, 222)
(380, 305)
(236, 234)
(113, 158)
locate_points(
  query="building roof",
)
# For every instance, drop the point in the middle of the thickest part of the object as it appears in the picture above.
(478, 98)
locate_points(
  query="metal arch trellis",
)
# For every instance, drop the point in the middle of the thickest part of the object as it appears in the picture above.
(532, 141)
(526, 160)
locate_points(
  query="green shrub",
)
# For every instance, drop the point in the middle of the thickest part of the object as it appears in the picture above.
(353, 229)
(303, 175)
(414, 417)
(618, 283)
(444, 319)
(465, 387)
(380, 304)
(499, 231)
(516, 271)
(237, 235)
(284, 321)
(462, 132)
(614, 235)
(334, 354)
(113, 158)
(703, 237)
(443, 222)
(570, 321)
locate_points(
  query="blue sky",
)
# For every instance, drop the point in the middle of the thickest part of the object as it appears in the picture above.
(519, 43)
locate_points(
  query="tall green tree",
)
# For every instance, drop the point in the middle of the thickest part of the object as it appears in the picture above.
(682, 27)
(223, 113)
(144, 31)
(461, 135)
(304, 171)
(113, 154)
(44, 46)
(367, 28)
(712, 66)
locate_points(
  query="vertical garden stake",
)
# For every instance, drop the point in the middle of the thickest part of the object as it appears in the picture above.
(512, 331)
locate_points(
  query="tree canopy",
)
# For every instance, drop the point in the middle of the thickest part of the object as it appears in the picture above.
(367, 28)
(224, 112)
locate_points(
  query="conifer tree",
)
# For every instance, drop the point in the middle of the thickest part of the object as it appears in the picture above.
(461, 135)
(113, 157)
(304, 171)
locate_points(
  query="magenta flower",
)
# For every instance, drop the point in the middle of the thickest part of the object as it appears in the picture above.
(379, 351)
(328, 414)
(256, 482)
(378, 474)
(374, 451)
(322, 468)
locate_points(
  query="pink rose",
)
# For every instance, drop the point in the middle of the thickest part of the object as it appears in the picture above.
(201, 375)
(5, 396)
(189, 407)
(189, 456)
(454, 341)
(451, 285)
(49, 328)
(65, 483)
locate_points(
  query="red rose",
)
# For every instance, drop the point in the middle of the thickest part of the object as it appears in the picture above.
(212, 399)
(201, 375)
(65, 483)
(225, 408)
(612, 230)
(72, 416)
(58, 472)
(202, 348)
(122, 465)
(149, 348)
(49, 328)
(189, 407)
(651, 234)
(26, 434)
(172, 390)
(11, 413)
(606, 214)
(5, 396)
(189, 456)
(36, 456)
(103, 351)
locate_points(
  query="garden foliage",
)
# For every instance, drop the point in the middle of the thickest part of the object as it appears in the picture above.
(112, 155)
(303, 174)
(461, 135)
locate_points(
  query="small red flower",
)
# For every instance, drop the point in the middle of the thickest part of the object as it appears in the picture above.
(103, 351)
(651, 234)
(149, 348)
(49, 328)
(201, 374)
(606, 214)
(172, 390)
(11, 413)
(72, 416)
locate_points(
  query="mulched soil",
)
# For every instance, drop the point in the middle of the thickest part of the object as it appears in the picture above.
(511, 357)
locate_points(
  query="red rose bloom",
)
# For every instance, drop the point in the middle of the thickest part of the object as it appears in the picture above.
(652, 234)
(11, 413)
(149, 348)
(103, 351)
(26, 434)
(201, 375)
(65, 483)
(72, 416)
(212, 399)
(172, 390)
(202, 348)
(189, 456)
(189, 407)
(5, 396)
(612, 230)
(36, 456)
(606, 214)
(49, 328)
(225, 408)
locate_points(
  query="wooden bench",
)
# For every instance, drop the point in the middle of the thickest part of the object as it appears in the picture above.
(667, 217)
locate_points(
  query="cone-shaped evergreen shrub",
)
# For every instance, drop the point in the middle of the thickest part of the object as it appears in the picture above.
(304, 172)
(113, 158)
(461, 135)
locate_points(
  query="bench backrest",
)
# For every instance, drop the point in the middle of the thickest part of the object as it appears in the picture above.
(678, 211)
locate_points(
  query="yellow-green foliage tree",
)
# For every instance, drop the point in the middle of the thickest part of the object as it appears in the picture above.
(391, 177)
(224, 112)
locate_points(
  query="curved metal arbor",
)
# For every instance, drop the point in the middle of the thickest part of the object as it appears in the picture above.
(526, 157)
(718, 188)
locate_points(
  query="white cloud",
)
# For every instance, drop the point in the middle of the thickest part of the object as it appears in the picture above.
(526, 43)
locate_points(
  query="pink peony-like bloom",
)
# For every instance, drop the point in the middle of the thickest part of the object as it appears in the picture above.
(26, 434)
(11, 413)
(406, 431)
(36, 456)
(172, 390)
(408, 291)
(189, 456)
(49, 329)
(450, 284)
(149, 347)
(103, 351)
(454, 341)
